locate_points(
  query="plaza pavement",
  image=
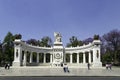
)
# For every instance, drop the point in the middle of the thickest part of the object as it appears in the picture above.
(48, 71)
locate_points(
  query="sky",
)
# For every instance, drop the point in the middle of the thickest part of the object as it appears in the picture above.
(38, 18)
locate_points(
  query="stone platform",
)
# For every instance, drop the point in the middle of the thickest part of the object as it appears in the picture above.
(48, 71)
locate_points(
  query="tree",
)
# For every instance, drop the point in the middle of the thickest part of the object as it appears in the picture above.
(18, 36)
(8, 48)
(46, 42)
(74, 42)
(88, 40)
(9, 37)
(112, 42)
(107, 57)
(33, 42)
(0, 53)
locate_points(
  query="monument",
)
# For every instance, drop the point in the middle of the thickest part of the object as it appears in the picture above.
(57, 54)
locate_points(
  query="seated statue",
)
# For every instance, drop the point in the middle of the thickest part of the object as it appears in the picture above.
(57, 37)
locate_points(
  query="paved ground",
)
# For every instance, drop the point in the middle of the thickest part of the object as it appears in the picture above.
(46, 71)
(59, 78)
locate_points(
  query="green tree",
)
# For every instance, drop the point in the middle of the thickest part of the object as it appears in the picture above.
(33, 42)
(8, 48)
(17, 36)
(106, 58)
(1, 54)
(74, 42)
(45, 42)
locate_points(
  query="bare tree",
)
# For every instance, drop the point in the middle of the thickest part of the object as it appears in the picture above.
(112, 42)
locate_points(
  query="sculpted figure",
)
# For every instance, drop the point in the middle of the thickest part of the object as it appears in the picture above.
(57, 37)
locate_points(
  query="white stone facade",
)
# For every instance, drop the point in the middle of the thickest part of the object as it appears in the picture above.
(28, 55)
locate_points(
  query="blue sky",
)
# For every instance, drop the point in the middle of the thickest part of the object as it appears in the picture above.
(38, 18)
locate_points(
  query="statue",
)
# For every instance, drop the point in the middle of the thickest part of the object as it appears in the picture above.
(57, 37)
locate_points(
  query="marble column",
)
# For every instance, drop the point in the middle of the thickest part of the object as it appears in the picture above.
(31, 57)
(78, 58)
(37, 57)
(25, 58)
(94, 56)
(89, 57)
(84, 60)
(71, 58)
(44, 58)
(51, 58)
(64, 57)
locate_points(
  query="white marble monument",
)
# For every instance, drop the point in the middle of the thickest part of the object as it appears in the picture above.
(57, 54)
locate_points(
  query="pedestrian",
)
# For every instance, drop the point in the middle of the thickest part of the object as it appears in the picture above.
(88, 65)
(8, 65)
(5, 65)
(106, 66)
(109, 66)
(62, 64)
(65, 68)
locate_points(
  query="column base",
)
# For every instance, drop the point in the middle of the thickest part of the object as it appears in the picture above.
(24, 63)
(97, 65)
(17, 64)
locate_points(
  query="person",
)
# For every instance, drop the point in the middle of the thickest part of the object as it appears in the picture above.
(88, 65)
(8, 65)
(109, 66)
(62, 64)
(5, 65)
(65, 68)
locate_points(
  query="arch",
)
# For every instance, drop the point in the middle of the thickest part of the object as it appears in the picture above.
(22, 55)
(74, 57)
(87, 56)
(28, 56)
(41, 57)
(34, 57)
(91, 55)
(80, 57)
(47, 57)
(67, 57)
